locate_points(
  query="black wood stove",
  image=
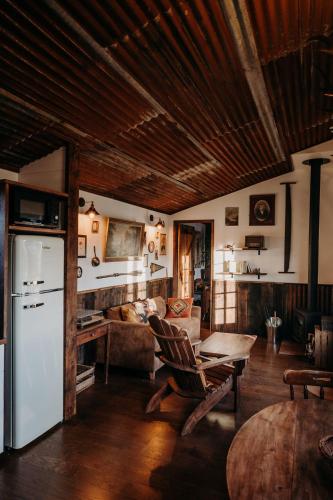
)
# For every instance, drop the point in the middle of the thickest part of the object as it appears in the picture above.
(306, 319)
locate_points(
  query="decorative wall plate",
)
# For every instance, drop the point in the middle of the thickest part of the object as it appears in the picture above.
(151, 246)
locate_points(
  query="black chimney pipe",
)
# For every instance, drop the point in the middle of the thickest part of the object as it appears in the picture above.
(315, 164)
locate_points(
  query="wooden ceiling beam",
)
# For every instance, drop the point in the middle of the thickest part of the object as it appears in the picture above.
(242, 32)
(105, 56)
(53, 120)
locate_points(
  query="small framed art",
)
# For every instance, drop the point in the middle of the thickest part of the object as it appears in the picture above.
(82, 246)
(95, 226)
(262, 210)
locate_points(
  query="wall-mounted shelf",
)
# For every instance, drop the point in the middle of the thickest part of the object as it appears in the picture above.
(245, 249)
(35, 230)
(243, 274)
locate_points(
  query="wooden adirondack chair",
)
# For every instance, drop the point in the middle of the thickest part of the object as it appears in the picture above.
(307, 378)
(193, 377)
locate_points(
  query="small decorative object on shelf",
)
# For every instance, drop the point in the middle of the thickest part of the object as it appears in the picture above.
(254, 242)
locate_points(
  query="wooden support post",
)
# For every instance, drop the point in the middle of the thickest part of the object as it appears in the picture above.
(72, 188)
(4, 202)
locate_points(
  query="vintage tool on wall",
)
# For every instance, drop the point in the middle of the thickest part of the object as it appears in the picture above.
(95, 261)
(116, 275)
(287, 229)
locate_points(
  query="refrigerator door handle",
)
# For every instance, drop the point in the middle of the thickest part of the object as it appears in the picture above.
(33, 282)
(33, 306)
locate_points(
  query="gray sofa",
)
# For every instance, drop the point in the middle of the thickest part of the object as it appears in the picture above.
(133, 345)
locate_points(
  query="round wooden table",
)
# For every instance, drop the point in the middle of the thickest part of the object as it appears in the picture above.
(275, 453)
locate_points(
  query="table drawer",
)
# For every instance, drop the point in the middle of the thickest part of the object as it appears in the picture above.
(84, 337)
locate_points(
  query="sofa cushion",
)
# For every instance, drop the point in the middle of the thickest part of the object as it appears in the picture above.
(179, 308)
(161, 306)
(114, 313)
(128, 314)
(191, 325)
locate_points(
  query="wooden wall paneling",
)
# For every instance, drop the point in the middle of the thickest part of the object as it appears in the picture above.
(251, 297)
(103, 298)
(4, 279)
(70, 360)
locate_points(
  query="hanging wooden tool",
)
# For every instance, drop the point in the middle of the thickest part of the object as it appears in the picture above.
(287, 229)
(115, 275)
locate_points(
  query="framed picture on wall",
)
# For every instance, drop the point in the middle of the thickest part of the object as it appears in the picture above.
(231, 216)
(95, 226)
(124, 240)
(162, 244)
(262, 210)
(145, 260)
(82, 246)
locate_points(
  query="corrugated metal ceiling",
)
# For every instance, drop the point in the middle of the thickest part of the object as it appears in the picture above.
(170, 102)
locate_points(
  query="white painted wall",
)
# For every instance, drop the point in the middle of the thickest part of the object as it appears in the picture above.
(271, 261)
(116, 209)
(48, 171)
(8, 175)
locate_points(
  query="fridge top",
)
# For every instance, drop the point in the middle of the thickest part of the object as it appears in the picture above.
(37, 264)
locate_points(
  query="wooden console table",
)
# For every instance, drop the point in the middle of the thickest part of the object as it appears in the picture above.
(94, 332)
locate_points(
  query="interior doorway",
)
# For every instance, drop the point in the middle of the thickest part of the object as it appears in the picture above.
(193, 264)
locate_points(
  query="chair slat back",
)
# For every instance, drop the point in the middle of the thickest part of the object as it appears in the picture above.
(308, 378)
(179, 352)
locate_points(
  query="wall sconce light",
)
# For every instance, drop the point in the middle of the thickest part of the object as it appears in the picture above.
(160, 224)
(91, 212)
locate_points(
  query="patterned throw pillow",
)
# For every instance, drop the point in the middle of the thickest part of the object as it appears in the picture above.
(179, 308)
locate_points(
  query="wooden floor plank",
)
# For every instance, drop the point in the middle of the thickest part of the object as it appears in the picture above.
(113, 450)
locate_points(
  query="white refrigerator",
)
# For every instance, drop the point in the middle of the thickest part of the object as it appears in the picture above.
(34, 386)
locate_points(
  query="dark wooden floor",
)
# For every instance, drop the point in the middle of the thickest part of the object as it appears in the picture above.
(112, 450)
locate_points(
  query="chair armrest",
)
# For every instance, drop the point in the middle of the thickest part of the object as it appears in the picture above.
(196, 312)
(221, 361)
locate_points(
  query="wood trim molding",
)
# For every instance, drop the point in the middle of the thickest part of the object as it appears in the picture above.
(70, 295)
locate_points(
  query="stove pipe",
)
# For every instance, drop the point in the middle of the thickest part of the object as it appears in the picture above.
(315, 164)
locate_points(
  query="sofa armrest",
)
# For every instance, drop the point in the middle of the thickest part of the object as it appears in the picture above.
(196, 312)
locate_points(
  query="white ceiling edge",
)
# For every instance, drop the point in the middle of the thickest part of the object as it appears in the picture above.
(322, 150)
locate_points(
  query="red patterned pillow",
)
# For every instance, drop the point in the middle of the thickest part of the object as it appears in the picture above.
(179, 308)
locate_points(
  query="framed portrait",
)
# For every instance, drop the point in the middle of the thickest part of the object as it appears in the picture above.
(162, 244)
(145, 260)
(151, 246)
(262, 210)
(231, 216)
(82, 246)
(95, 226)
(124, 240)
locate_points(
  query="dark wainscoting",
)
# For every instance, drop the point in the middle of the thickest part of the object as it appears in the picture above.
(102, 298)
(239, 306)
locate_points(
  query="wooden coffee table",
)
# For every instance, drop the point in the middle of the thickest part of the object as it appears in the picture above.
(227, 344)
(275, 453)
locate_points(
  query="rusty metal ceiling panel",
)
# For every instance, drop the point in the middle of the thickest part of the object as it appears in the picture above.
(163, 94)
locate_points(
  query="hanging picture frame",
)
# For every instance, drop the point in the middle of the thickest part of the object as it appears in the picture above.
(163, 243)
(151, 246)
(262, 210)
(145, 260)
(95, 226)
(124, 240)
(82, 246)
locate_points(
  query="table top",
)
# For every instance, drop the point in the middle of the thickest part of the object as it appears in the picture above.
(94, 326)
(275, 453)
(227, 343)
